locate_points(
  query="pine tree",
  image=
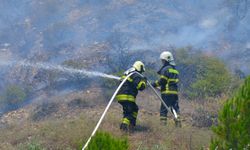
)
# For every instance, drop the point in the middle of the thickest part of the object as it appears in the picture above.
(233, 130)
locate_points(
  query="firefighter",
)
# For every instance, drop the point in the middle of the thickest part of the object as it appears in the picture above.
(168, 84)
(127, 95)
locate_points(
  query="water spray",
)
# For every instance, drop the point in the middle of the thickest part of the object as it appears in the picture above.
(48, 66)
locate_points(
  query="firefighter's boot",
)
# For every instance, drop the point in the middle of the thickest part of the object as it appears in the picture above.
(177, 122)
(163, 121)
(131, 128)
(124, 127)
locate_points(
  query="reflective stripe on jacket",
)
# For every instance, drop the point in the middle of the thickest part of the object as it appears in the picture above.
(169, 78)
(129, 90)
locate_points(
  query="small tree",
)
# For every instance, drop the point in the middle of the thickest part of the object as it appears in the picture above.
(233, 131)
(104, 141)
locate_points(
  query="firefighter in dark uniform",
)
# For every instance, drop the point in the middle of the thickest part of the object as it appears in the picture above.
(169, 78)
(127, 95)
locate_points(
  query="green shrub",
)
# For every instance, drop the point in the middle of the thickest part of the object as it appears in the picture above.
(233, 130)
(33, 145)
(202, 76)
(14, 95)
(104, 141)
(213, 78)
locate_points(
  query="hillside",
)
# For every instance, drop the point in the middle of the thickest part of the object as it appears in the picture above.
(67, 121)
(59, 61)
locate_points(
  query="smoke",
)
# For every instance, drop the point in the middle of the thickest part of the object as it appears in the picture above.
(85, 22)
(248, 45)
(48, 26)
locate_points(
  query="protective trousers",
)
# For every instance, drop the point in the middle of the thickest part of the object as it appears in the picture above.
(171, 100)
(130, 111)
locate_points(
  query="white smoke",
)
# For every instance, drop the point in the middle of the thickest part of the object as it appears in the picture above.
(248, 45)
(208, 23)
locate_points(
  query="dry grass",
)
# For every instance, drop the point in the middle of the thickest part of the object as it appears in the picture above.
(51, 134)
(151, 135)
(69, 126)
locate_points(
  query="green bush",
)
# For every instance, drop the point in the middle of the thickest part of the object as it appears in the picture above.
(33, 145)
(202, 76)
(104, 141)
(14, 95)
(213, 78)
(233, 130)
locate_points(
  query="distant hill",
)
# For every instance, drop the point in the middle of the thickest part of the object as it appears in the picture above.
(60, 28)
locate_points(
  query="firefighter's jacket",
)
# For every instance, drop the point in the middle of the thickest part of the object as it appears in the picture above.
(129, 90)
(169, 78)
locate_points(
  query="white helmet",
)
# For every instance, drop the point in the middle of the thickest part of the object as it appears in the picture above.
(139, 66)
(166, 55)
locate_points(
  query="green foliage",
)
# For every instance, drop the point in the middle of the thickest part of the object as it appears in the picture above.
(14, 95)
(233, 131)
(33, 145)
(104, 141)
(212, 78)
(202, 76)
